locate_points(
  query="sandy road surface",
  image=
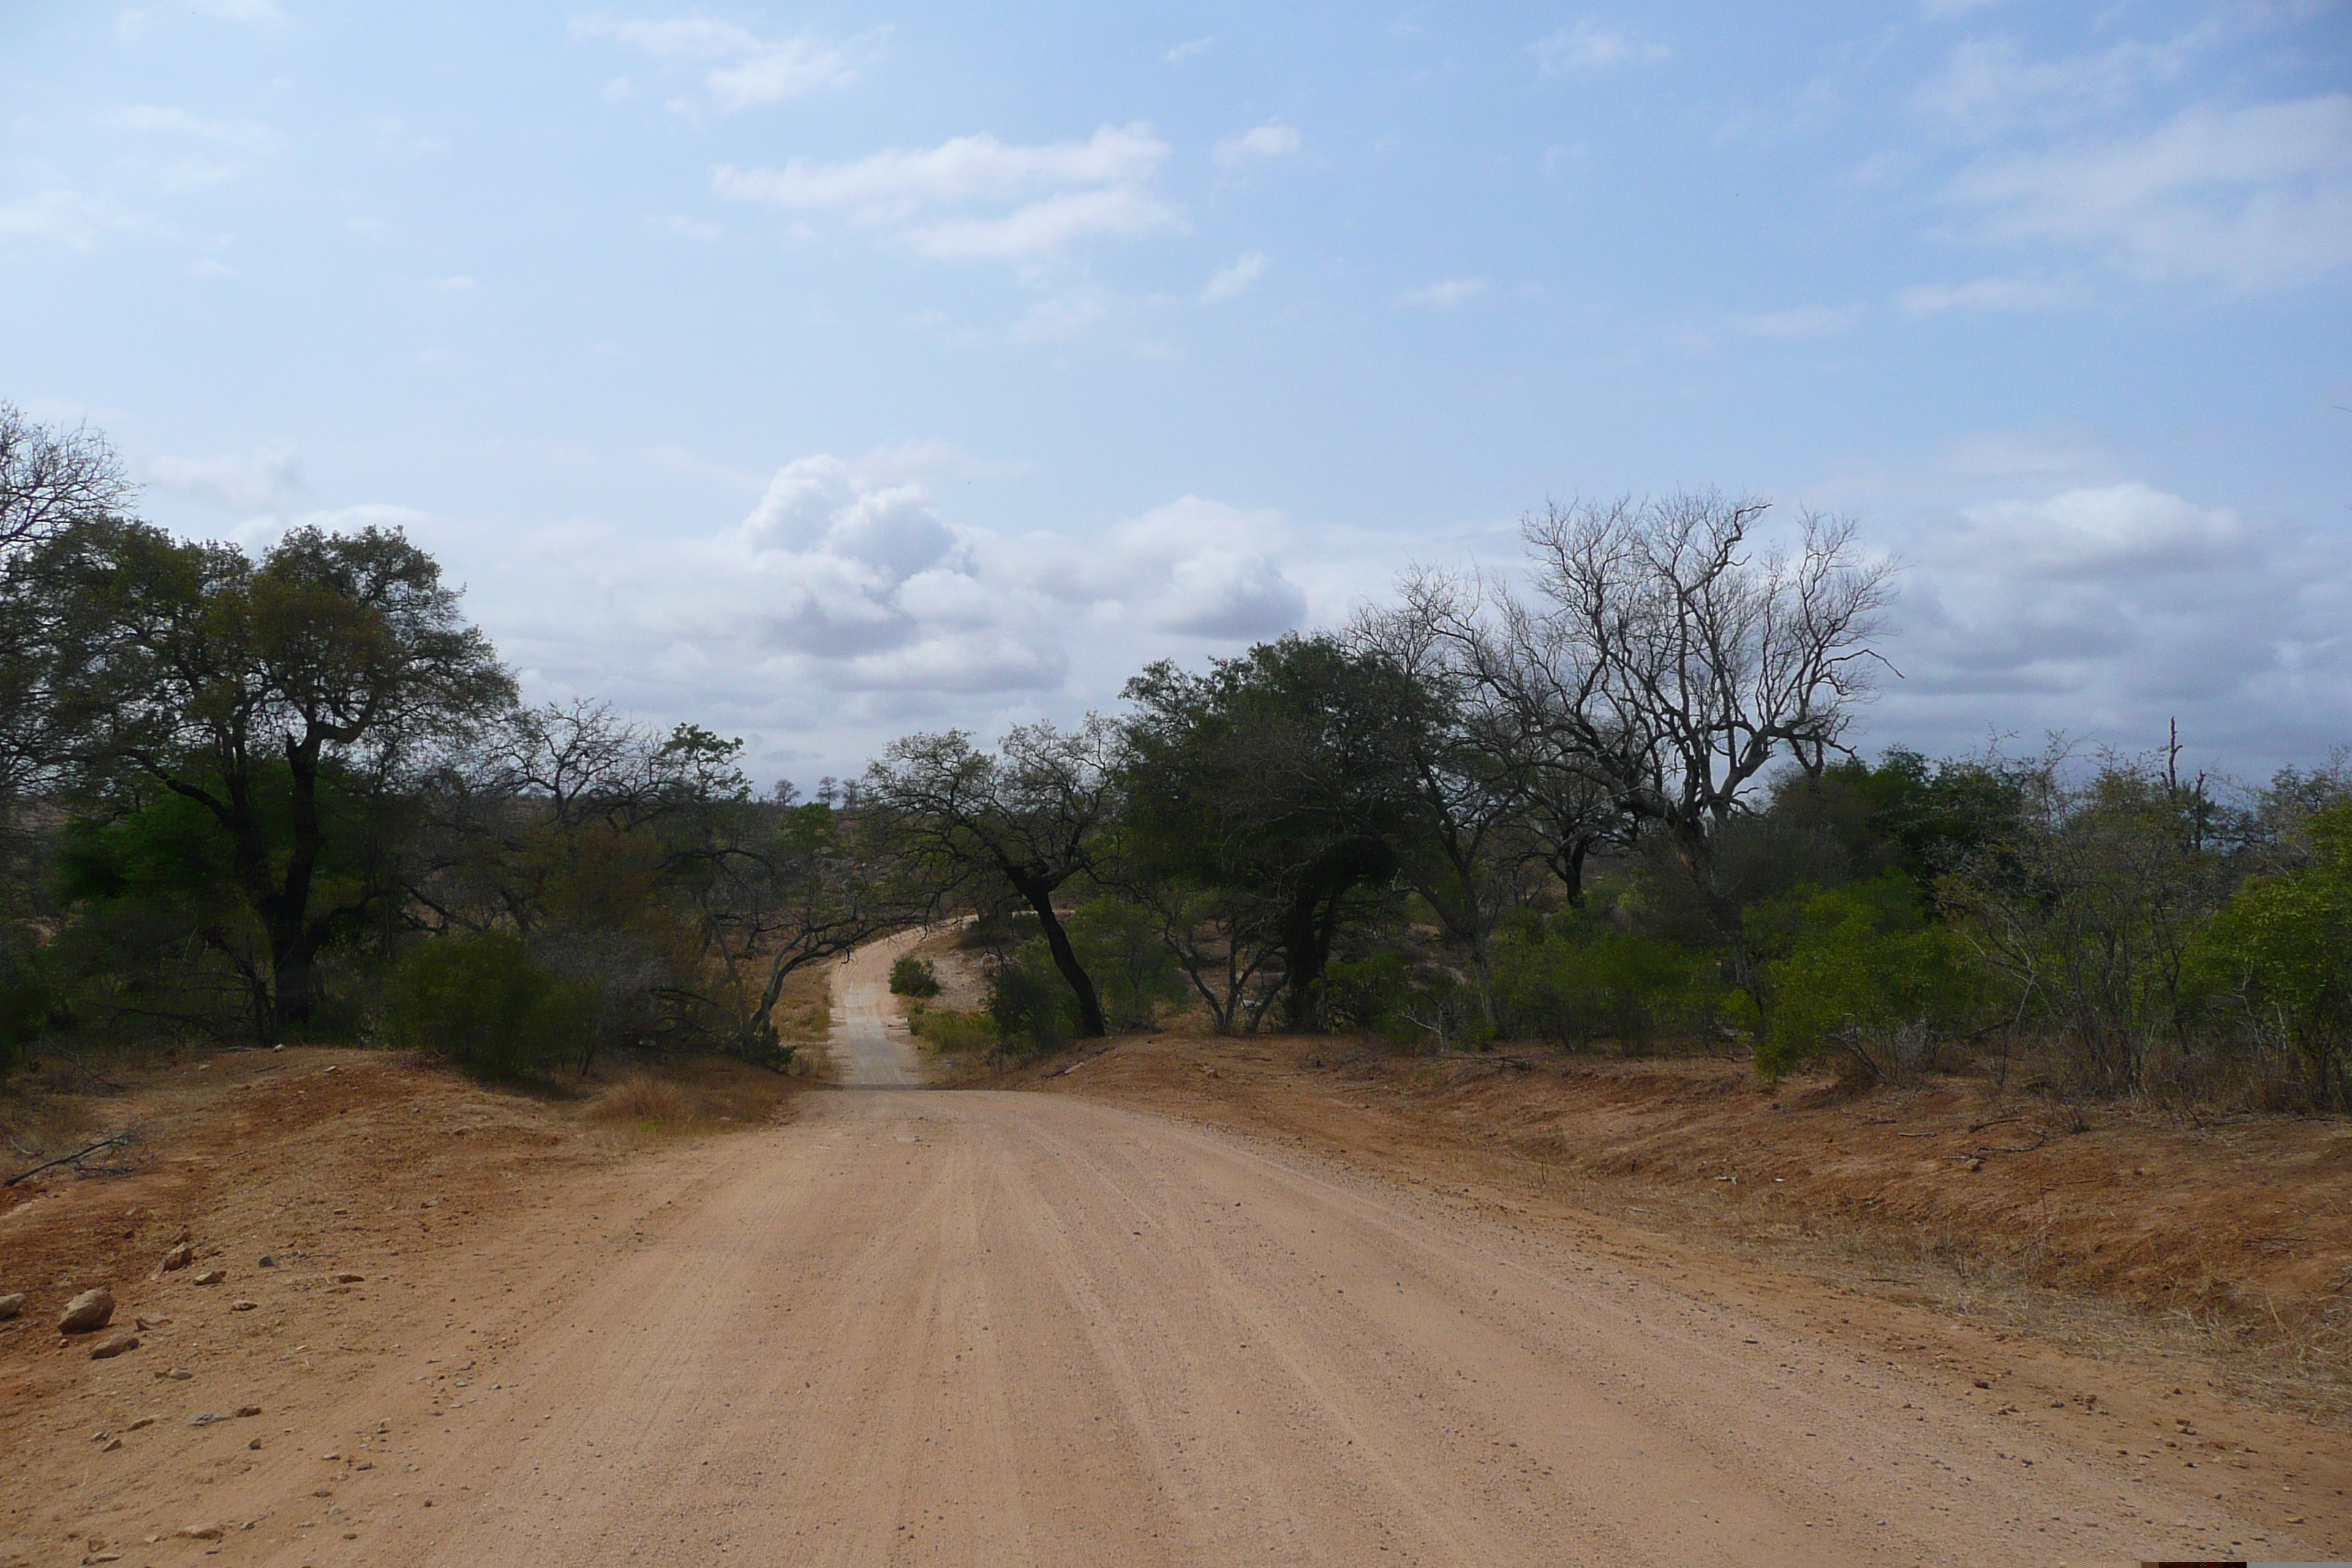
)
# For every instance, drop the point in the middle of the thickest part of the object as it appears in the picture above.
(870, 1046)
(993, 1328)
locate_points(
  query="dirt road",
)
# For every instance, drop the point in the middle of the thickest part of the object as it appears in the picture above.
(870, 1046)
(1000, 1328)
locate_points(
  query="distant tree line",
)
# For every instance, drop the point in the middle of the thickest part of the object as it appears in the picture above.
(1615, 804)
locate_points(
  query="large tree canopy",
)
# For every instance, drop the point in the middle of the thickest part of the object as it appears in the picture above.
(335, 662)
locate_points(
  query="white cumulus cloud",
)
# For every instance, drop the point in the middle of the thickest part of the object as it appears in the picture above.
(845, 607)
(2108, 609)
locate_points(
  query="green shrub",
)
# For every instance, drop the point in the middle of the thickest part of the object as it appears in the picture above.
(949, 1030)
(26, 1002)
(1577, 980)
(2282, 947)
(1405, 1004)
(1862, 973)
(479, 1001)
(1030, 1004)
(912, 976)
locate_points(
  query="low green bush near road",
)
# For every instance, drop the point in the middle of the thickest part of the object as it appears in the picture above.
(479, 1001)
(912, 976)
(945, 1029)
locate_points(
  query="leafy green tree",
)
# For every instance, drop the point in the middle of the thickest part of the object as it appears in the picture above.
(2086, 906)
(640, 863)
(159, 929)
(331, 664)
(2283, 944)
(1270, 783)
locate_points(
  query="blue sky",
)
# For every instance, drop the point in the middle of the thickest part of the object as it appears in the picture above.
(821, 372)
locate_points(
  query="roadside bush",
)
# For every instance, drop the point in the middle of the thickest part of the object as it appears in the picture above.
(1407, 1004)
(949, 1030)
(1030, 1004)
(2281, 949)
(1577, 980)
(1862, 973)
(479, 1001)
(912, 976)
(26, 1000)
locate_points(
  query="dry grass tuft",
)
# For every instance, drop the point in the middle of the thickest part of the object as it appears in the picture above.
(641, 1100)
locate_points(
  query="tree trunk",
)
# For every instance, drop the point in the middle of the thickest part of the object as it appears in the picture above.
(286, 910)
(1311, 922)
(1065, 958)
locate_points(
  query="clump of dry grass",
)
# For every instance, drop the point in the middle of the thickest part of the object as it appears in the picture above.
(645, 1100)
(689, 1095)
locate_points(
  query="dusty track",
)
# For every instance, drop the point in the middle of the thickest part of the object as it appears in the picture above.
(870, 1046)
(1010, 1328)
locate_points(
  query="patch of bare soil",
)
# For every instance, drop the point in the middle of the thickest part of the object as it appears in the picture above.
(324, 1194)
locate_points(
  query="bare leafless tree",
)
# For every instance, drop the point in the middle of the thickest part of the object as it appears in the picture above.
(1462, 768)
(1663, 661)
(51, 480)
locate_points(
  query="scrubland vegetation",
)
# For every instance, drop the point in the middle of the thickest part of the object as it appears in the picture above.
(1621, 806)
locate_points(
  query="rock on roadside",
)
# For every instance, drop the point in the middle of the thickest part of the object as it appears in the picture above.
(11, 1304)
(89, 1311)
(113, 1345)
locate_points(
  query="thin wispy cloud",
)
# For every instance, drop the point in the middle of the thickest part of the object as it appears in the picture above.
(739, 69)
(139, 21)
(2247, 198)
(1445, 294)
(1591, 44)
(1065, 192)
(243, 135)
(1987, 294)
(1189, 49)
(70, 218)
(1241, 276)
(1989, 85)
(1259, 144)
(1803, 321)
